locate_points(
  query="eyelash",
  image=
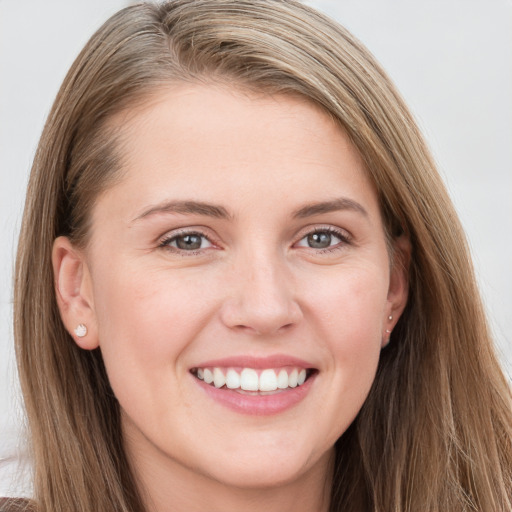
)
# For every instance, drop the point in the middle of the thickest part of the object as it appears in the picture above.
(345, 239)
(342, 235)
(166, 241)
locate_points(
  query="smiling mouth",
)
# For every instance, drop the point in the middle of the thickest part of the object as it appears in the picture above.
(254, 381)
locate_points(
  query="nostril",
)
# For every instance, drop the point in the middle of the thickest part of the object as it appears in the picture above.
(260, 314)
(262, 330)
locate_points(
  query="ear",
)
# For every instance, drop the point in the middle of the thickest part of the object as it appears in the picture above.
(398, 285)
(73, 290)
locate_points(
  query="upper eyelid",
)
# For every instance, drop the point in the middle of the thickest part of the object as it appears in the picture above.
(344, 233)
(205, 232)
(192, 230)
(162, 241)
(345, 237)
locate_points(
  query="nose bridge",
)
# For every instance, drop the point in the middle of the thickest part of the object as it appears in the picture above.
(262, 298)
(266, 278)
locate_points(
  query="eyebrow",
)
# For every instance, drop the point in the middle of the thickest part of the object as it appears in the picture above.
(186, 207)
(341, 203)
(219, 212)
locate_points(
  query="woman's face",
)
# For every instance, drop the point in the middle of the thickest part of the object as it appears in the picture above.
(243, 242)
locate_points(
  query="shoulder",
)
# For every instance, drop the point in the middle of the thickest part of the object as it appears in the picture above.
(16, 505)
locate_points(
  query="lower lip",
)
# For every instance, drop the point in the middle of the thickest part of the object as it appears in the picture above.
(258, 405)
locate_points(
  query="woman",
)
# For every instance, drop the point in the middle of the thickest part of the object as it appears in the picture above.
(261, 295)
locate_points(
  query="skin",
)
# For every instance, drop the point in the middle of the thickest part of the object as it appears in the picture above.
(255, 287)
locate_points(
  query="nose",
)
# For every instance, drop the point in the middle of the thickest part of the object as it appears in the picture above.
(261, 299)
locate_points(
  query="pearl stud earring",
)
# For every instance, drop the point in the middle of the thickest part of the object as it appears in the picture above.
(81, 330)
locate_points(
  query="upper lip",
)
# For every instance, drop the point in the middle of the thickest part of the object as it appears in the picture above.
(273, 361)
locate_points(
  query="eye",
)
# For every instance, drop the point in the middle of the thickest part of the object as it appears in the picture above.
(187, 242)
(323, 239)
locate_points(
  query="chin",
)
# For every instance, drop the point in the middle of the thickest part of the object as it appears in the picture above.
(270, 474)
(263, 469)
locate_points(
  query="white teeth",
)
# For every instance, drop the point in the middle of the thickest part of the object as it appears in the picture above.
(208, 376)
(249, 380)
(232, 379)
(218, 378)
(292, 378)
(268, 380)
(282, 379)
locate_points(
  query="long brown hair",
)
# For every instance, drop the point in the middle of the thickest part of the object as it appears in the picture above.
(435, 433)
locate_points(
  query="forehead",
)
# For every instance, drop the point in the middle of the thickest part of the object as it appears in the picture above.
(202, 111)
(217, 143)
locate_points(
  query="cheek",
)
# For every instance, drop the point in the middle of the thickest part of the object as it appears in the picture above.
(348, 313)
(146, 318)
(349, 305)
(363, 303)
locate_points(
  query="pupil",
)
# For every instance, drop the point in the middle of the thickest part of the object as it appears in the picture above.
(189, 242)
(319, 240)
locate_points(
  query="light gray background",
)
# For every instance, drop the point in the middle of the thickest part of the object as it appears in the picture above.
(451, 59)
